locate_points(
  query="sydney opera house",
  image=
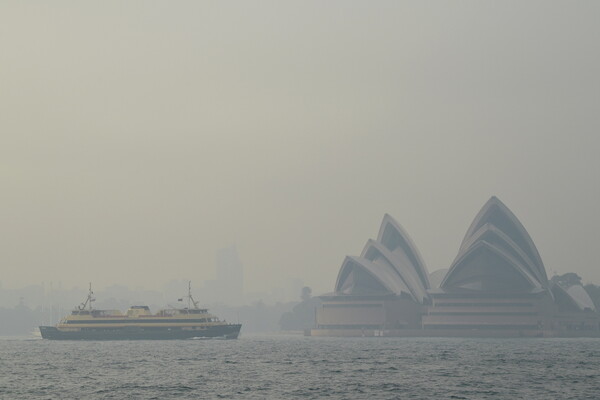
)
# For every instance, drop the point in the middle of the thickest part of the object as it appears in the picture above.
(496, 286)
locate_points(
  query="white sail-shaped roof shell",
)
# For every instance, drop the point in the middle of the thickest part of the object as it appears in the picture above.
(393, 237)
(495, 213)
(484, 265)
(491, 234)
(360, 276)
(574, 297)
(581, 297)
(498, 238)
(379, 254)
(392, 261)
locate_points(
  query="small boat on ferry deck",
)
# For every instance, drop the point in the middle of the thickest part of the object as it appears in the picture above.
(138, 323)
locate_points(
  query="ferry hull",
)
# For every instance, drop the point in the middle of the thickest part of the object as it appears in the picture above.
(230, 331)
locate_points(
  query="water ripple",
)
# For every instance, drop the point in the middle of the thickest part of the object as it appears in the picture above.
(296, 367)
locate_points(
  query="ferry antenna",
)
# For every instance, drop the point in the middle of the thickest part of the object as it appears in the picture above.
(88, 301)
(191, 300)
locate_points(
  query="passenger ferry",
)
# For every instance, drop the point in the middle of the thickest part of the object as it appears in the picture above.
(87, 323)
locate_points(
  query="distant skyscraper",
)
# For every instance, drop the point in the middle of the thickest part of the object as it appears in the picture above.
(230, 273)
(228, 287)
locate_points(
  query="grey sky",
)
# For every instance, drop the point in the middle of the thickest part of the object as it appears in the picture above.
(137, 138)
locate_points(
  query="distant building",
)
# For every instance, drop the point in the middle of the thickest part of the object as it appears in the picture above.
(497, 283)
(496, 286)
(228, 287)
(383, 289)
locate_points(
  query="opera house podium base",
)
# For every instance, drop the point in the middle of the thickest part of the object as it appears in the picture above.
(452, 333)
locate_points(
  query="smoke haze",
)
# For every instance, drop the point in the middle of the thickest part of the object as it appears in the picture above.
(138, 138)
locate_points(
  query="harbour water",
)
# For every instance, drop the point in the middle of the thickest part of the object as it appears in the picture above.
(296, 367)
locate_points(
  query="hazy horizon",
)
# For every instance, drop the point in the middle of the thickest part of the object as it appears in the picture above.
(137, 139)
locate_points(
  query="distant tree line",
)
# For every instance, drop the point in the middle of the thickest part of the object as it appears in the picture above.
(302, 316)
